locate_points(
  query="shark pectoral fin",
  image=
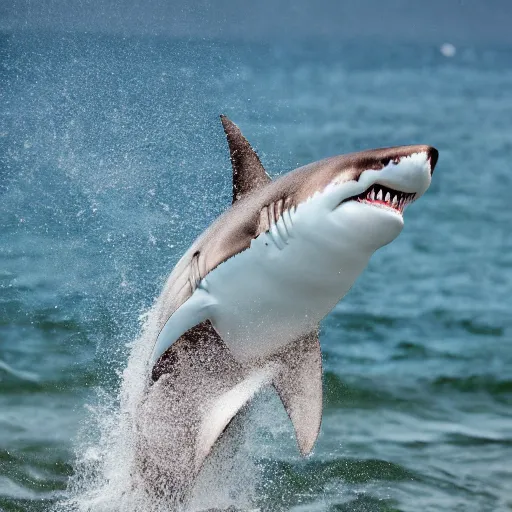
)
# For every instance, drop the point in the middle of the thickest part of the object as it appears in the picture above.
(192, 312)
(299, 385)
(225, 408)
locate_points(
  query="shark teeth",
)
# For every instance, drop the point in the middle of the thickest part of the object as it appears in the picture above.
(381, 195)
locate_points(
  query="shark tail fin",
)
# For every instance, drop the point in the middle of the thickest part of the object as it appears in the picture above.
(248, 172)
(298, 382)
(199, 388)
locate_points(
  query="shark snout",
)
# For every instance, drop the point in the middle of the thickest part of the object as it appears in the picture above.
(431, 153)
(432, 157)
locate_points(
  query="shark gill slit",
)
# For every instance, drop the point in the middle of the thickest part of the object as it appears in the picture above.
(281, 228)
(263, 223)
(277, 234)
(195, 274)
(288, 216)
(270, 224)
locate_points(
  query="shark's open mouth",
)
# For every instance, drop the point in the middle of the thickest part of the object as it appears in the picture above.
(379, 195)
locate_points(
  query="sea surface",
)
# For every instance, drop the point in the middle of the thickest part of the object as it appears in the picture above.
(112, 160)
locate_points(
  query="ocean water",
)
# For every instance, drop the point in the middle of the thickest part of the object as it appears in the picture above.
(112, 160)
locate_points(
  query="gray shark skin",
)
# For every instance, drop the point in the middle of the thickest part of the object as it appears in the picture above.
(241, 309)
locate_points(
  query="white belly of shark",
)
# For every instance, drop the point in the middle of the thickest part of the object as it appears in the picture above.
(285, 283)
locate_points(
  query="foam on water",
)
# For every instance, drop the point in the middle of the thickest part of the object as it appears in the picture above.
(103, 478)
(107, 476)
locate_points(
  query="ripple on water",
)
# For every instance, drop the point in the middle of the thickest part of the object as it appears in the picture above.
(363, 394)
(491, 384)
(339, 479)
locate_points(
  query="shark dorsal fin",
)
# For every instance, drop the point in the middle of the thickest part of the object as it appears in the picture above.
(248, 172)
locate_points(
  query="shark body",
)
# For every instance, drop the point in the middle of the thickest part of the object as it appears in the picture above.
(241, 309)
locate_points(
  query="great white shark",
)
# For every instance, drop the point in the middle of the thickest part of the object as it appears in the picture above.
(241, 309)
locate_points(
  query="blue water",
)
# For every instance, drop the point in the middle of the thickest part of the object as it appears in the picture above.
(112, 160)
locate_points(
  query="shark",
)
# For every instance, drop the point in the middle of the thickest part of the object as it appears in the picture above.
(240, 312)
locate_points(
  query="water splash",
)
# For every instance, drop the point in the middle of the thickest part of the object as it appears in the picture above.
(105, 453)
(107, 471)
